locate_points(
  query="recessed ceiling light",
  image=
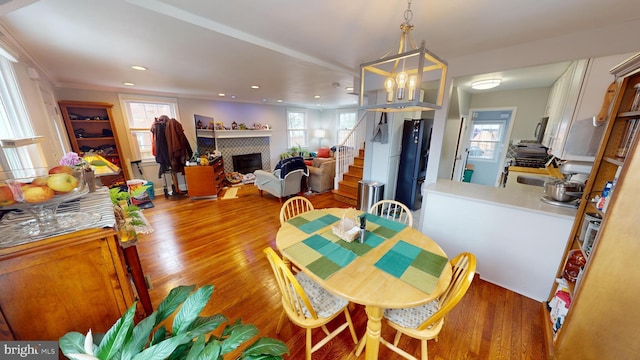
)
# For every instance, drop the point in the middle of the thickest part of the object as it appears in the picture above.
(316, 97)
(128, 84)
(349, 88)
(264, 100)
(255, 86)
(280, 100)
(138, 67)
(233, 96)
(222, 94)
(485, 84)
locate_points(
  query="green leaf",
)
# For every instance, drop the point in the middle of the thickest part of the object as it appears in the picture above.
(162, 349)
(196, 348)
(115, 337)
(191, 308)
(239, 335)
(176, 297)
(266, 346)
(210, 352)
(159, 335)
(72, 343)
(139, 337)
(205, 325)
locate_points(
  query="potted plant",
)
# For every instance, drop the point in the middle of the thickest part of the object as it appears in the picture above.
(187, 338)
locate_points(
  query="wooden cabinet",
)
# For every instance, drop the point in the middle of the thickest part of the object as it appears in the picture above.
(72, 282)
(603, 319)
(205, 181)
(90, 128)
(573, 102)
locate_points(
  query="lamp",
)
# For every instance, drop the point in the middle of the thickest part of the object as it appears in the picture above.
(485, 84)
(100, 165)
(320, 134)
(413, 79)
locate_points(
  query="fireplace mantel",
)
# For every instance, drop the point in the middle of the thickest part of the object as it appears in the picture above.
(227, 134)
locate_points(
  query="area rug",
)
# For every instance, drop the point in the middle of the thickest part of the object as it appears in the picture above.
(230, 193)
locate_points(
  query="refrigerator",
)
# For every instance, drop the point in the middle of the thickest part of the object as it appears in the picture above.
(414, 156)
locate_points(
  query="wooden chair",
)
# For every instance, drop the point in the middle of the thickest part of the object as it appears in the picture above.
(307, 304)
(294, 206)
(425, 322)
(393, 210)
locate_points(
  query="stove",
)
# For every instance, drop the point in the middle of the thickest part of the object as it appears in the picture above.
(569, 204)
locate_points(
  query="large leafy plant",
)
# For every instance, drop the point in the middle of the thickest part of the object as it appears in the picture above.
(186, 340)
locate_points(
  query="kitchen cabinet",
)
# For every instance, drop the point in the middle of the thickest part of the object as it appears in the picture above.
(574, 100)
(205, 181)
(90, 127)
(72, 282)
(602, 320)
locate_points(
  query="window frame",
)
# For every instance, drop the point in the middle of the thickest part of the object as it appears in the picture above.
(125, 101)
(501, 131)
(304, 130)
(340, 131)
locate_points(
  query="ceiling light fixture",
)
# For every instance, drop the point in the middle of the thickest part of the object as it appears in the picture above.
(138, 67)
(485, 84)
(128, 84)
(413, 79)
(255, 86)
(222, 94)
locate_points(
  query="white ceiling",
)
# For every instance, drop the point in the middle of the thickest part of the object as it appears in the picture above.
(297, 49)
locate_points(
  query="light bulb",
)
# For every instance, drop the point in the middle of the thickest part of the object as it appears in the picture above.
(388, 85)
(401, 79)
(413, 81)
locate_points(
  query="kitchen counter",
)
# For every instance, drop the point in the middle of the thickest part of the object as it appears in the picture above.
(517, 196)
(517, 239)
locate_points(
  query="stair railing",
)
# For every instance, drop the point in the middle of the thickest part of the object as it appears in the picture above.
(347, 150)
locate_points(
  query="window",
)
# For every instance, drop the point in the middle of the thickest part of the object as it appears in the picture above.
(141, 112)
(485, 138)
(20, 148)
(297, 128)
(346, 123)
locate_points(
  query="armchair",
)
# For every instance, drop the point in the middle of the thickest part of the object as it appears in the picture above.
(274, 185)
(321, 174)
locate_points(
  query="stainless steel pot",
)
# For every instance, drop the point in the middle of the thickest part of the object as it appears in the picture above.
(563, 190)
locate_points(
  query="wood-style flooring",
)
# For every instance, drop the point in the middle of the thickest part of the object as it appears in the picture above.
(220, 242)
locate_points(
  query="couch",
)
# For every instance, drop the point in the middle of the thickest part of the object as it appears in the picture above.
(321, 174)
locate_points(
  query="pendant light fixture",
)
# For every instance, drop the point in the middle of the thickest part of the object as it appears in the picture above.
(413, 79)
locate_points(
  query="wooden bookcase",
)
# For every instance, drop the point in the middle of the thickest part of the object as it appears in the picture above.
(602, 320)
(90, 127)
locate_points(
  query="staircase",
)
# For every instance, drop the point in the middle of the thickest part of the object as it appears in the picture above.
(347, 191)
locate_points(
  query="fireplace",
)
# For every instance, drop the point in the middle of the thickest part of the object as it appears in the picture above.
(247, 163)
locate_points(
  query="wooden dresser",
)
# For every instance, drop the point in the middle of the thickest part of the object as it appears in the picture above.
(205, 181)
(70, 280)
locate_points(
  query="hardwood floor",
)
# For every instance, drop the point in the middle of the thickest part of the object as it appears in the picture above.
(220, 242)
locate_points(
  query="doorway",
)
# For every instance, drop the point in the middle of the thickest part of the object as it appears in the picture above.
(486, 140)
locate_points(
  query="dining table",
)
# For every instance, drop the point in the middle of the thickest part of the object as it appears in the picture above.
(396, 266)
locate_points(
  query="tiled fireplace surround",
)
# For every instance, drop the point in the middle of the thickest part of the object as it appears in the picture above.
(242, 146)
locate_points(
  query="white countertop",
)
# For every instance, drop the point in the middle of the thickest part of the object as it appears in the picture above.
(519, 196)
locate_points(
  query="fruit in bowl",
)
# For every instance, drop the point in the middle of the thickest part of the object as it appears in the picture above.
(37, 194)
(61, 169)
(62, 182)
(6, 195)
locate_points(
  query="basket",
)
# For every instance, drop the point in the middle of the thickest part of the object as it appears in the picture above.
(347, 229)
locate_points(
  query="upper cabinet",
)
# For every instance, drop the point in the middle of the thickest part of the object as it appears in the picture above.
(574, 101)
(90, 128)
